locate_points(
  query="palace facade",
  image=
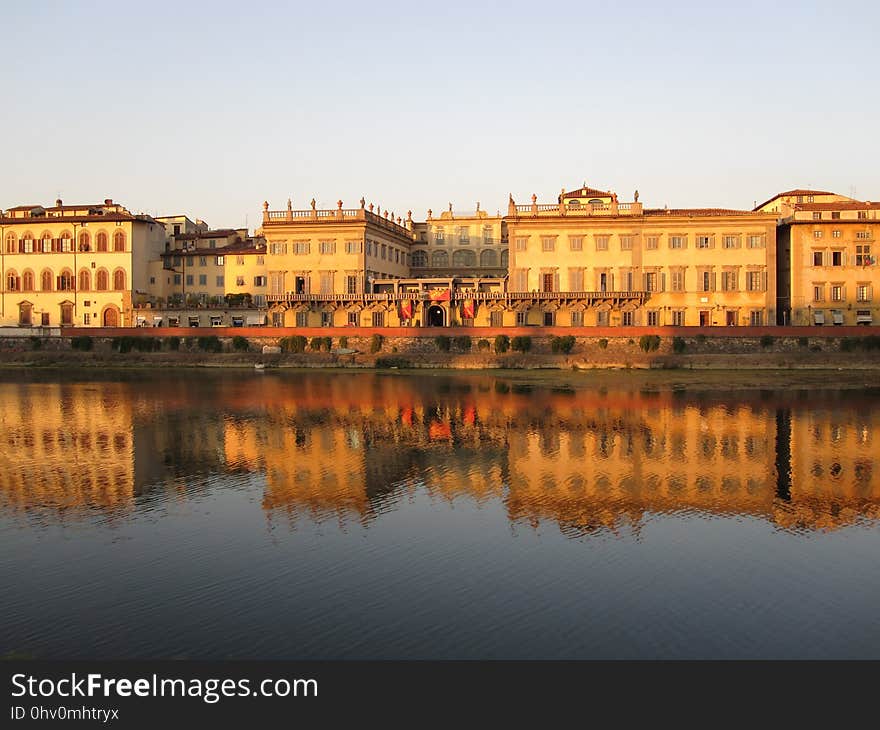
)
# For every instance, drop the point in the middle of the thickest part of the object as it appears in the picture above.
(803, 257)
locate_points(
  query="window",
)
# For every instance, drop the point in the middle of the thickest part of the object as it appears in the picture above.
(177, 279)
(66, 242)
(327, 247)
(817, 258)
(239, 281)
(189, 280)
(577, 319)
(354, 319)
(119, 241)
(464, 235)
(731, 242)
(87, 318)
(626, 243)
(521, 319)
(863, 235)
(212, 243)
(326, 319)
(420, 259)
(203, 280)
(12, 281)
(863, 214)
(46, 281)
(352, 247)
(549, 319)
(818, 292)
(11, 246)
(755, 281)
(677, 242)
(705, 281)
(46, 243)
(704, 241)
(817, 216)
(326, 282)
(351, 284)
(756, 241)
(378, 319)
(548, 244)
(439, 259)
(259, 281)
(817, 234)
(275, 249)
(863, 292)
(302, 319)
(221, 281)
(651, 281)
(219, 261)
(837, 292)
(835, 233)
(27, 244)
(835, 215)
(652, 242)
(837, 258)
(496, 319)
(576, 243)
(603, 318)
(863, 255)
(119, 280)
(653, 318)
(301, 248)
(627, 319)
(756, 318)
(101, 242)
(520, 244)
(678, 318)
(464, 259)
(384, 251)
(488, 258)
(487, 234)
(439, 236)
(239, 260)
(602, 243)
(203, 260)
(728, 281)
(575, 279)
(677, 280)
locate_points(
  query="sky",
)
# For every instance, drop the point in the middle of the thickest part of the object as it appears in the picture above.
(208, 109)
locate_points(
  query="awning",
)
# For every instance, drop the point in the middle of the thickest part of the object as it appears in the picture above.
(193, 321)
(837, 317)
(157, 319)
(256, 321)
(141, 320)
(216, 321)
(819, 317)
(174, 321)
(864, 316)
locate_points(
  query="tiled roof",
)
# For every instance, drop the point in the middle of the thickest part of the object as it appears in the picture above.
(696, 211)
(839, 205)
(789, 193)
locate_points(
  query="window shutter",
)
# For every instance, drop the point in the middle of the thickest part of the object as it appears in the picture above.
(713, 281)
(610, 282)
(663, 281)
(644, 282)
(556, 281)
(763, 281)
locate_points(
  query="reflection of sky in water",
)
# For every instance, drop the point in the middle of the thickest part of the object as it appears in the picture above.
(327, 515)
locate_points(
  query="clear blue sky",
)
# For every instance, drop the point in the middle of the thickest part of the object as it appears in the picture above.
(210, 108)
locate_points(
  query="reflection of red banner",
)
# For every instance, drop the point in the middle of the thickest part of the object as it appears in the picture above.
(468, 309)
(406, 307)
(439, 430)
(406, 416)
(439, 295)
(469, 416)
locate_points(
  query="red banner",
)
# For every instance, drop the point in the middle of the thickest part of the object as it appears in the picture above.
(468, 309)
(439, 295)
(406, 309)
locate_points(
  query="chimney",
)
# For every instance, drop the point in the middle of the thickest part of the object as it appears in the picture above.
(108, 201)
(58, 203)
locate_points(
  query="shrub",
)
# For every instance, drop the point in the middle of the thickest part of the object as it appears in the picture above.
(816, 348)
(502, 344)
(562, 344)
(443, 343)
(521, 344)
(189, 342)
(376, 342)
(36, 343)
(172, 343)
(462, 343)
(326, 344)
(630, 341)
(603, 344)
(392, 362)
(211, 343)
(240, 344)
(701, 339)
(483, 345)
(297, 343)
(315, 344)
(766, 341)
(81, 343)
(649, 343)
(678, 345)
(871, 342)
(803, 341)
(343, 342)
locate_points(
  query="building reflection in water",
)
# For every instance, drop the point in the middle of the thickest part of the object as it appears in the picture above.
(350, 447)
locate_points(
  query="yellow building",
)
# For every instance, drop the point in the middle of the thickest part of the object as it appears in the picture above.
(83, 265)
(695, 266)
(827, 270)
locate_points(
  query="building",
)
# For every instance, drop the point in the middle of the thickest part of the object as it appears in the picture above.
(826, 269)
(83, 265)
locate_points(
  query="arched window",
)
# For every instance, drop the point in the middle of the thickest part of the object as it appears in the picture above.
(66, 242)
(464, 258)
(119, 280)
(27, 280)
(12, 281)
(101, 241)
(119, 241)
(85, 280)
(11, 246)
(46, 280)
(26, 244)
(419, 259)
(488, 258)
(46, 242)
(84, 241)
(65, 281)
(439, 258)
(574, 203)
(505, 257)
(102, 280)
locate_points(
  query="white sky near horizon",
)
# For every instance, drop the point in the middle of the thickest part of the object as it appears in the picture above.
(209, 108)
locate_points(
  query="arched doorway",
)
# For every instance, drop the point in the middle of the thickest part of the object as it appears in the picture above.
(111, 317)
(436, 316)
